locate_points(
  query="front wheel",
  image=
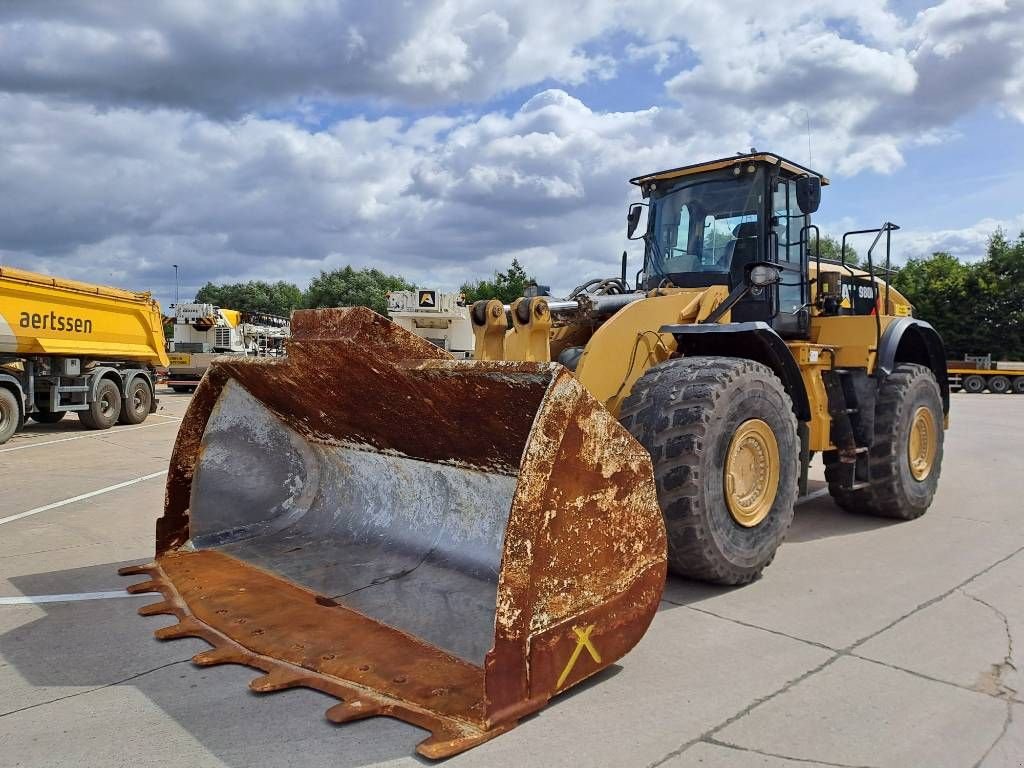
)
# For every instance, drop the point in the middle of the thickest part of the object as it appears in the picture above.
(723, 440)
(906, 457)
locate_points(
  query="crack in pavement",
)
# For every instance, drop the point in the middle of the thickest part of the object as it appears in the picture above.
(97, 688)
(738, 748)
(708, 735)
(1001, 690)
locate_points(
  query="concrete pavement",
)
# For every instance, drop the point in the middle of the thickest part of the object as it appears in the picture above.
(866, 643)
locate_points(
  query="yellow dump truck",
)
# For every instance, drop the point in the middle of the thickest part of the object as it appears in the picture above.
(67, 346)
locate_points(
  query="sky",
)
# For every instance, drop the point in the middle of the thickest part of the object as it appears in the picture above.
(260, 139)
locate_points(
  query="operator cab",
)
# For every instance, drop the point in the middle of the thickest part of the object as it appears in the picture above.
(711, 223)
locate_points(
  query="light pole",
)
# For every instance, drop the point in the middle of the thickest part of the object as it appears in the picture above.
(175, 283)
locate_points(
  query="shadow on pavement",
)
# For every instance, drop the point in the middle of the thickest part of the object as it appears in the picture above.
(104, 643)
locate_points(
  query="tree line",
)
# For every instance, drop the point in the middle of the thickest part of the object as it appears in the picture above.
(347, 287)
(978, 307)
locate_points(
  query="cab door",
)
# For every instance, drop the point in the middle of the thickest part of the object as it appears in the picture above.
(785, 248)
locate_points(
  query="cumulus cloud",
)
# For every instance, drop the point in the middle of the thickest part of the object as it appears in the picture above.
(146, 134)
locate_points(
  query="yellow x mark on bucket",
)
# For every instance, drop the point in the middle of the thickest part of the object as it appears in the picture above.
(582, 641)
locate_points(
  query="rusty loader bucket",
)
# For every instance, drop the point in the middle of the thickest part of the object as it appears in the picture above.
(451, 543)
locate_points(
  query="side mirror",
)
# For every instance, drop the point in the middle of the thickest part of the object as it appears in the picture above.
(808, 193)
(633, 219)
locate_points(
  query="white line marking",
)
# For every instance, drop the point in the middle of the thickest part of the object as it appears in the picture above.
(103, 433)
(71, 598)
(809, 497)
(81, 497)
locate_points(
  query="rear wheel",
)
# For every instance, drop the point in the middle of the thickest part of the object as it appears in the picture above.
(10, 414)
(103, 411)
(47, 417)
(973, 384)
(1018, 385)
(998, 385)
(137, 402)
(723, 440)
(906, 458)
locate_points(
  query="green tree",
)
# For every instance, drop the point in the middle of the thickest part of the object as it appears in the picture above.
(349, 287)
(507, 286)
(830, 248)
(978, 308)
(278, 298)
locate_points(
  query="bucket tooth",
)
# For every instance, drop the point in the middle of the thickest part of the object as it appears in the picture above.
(155, 609)
(186, 627)
(450, 543)
(275, 680)
(219, 655)
(353, 709)
(137, 570)
(142, 587)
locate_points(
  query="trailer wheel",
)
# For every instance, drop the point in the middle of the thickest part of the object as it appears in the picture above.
(137, 401)
(723, 439)
(178, 389)
(973, 384)
(104, 410)
(10, 415)
(906, 458)
(47, 417)
(1018, 385)
(998, 385)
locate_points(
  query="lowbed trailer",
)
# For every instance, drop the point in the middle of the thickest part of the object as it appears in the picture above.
(72, 347)
(978, 374)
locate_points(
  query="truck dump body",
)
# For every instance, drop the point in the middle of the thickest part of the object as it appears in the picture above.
(43, 315)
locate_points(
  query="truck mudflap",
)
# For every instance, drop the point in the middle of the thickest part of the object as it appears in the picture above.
(450, 543)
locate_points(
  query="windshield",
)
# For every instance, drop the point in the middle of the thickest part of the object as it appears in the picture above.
(706, 226)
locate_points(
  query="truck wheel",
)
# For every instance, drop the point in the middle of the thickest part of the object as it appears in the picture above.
(1018, 385)
(723, 439)
(179, 390)
(973, 384)
(137, 402)
(906, 458)
(103, 411)
(47, 417)
(10, 415)
(998, 385)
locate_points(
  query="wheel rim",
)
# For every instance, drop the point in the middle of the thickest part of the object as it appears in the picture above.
(922, 444)
(752, 472)
(139, 399)
(105, 407)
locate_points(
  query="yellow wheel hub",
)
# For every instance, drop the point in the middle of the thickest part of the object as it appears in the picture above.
(922, 443)
(752, 472)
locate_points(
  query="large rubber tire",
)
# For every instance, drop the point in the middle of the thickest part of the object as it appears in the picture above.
(10, 415)
(999, 385)
(973, 384)
(685, 413)
(1018, 385)
(47, 417)
(136, 403)
(103, 412)
(894, 491)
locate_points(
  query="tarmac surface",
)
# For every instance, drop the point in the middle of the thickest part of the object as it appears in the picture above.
(866, 643)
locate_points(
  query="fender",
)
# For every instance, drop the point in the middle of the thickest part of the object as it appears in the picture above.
(98, 374)
(756, 341)
(909, 340)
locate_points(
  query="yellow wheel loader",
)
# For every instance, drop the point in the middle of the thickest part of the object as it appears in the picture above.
(454, 542)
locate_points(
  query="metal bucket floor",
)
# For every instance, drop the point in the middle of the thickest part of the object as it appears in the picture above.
(287, 633)
(414, 544)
